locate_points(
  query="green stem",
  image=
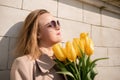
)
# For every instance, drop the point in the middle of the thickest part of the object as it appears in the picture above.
(78, 74)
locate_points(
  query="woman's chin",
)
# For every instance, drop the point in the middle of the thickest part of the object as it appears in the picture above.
(58, 41)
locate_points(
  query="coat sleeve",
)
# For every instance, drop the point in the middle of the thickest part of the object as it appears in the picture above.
(18, 71)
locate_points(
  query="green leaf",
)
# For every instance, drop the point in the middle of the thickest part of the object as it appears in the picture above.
(66, 73)
(93, 74)
(97, 60)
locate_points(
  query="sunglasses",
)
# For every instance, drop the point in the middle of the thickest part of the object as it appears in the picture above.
(53, 24)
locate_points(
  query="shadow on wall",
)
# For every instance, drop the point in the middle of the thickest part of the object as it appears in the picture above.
(16, 28)
(7, 45)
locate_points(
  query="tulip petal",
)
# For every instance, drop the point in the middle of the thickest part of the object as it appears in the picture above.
(76, 45)
(71, 54)
(58, 51)
(89, 48)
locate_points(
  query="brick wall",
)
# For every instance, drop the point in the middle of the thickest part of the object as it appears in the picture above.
(75, 17)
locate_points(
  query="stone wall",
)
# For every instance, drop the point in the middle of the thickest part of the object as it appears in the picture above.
(75, 16)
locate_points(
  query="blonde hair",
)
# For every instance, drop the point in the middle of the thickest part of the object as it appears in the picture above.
(28, 42)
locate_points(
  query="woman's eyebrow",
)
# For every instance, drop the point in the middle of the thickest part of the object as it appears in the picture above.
(46, 24)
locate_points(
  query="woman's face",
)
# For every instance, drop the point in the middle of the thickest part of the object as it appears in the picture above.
(50, 30)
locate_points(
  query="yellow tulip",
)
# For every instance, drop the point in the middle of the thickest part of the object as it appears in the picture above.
(83, 35)
(89, 47)
(76, 45)
(88, 43)
(70, 52)
(82, 45)
(59, 52)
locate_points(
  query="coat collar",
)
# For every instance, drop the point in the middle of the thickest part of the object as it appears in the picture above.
(45, 63)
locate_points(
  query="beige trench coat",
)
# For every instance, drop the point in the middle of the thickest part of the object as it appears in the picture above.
(22, 69)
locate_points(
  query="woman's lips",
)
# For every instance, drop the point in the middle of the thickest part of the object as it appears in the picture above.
(58, 33)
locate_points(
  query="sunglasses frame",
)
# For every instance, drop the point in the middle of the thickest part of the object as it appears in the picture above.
(53, 24)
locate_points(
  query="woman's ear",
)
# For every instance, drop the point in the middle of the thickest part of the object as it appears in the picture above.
(38, 35)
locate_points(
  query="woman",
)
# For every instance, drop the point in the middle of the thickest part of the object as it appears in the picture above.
(35, 62)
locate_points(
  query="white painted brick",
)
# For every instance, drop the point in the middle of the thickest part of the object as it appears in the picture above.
(110, 19)
(72, 29)
(70, 9)
(50, 5)
(11, 20)
(108, 73)
(12, 3)
(106, 36)
(11, 56)
(91, 14)
(5, 75)
(4, 42)
(100, 52)
(114, 56)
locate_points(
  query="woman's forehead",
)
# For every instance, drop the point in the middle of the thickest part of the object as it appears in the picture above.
(45, 18)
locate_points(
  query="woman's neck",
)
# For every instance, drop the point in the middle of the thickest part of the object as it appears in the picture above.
(46, 49)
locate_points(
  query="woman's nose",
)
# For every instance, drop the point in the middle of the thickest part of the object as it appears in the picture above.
(58, 27)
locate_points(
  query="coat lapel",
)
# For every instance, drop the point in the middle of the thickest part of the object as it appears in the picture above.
(45, 63)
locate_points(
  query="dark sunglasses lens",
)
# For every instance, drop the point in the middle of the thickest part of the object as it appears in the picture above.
(53, 23)
(58, 23)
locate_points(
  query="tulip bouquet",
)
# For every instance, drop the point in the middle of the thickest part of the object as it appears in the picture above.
(74, 59)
